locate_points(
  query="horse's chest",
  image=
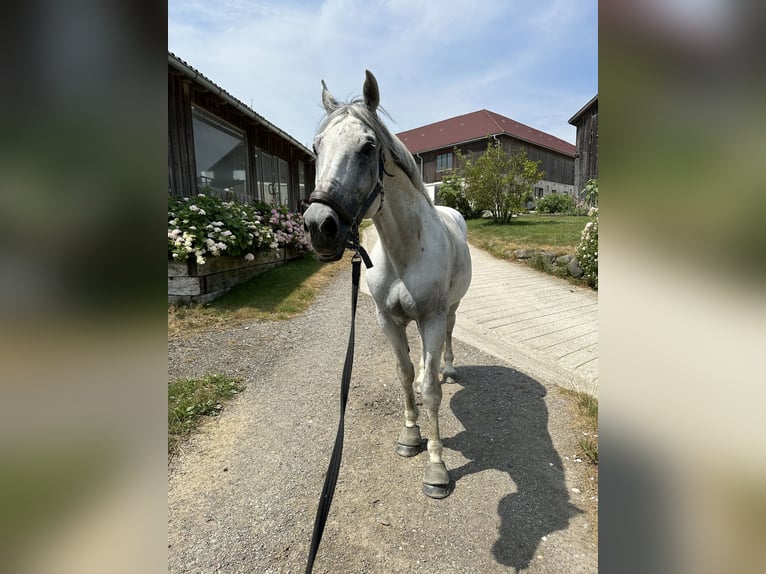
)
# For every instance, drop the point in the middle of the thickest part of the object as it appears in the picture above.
(404, 304)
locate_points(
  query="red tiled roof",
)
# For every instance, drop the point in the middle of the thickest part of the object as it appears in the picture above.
(474, 126)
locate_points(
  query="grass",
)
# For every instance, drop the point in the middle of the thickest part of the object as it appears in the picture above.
(559, 234)
(275, 295)
(191, 399)
(587, 407)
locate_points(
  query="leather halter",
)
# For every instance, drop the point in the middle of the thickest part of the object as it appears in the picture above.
(351, 241)
(319, 196)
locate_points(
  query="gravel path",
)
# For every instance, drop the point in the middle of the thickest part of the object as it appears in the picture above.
(242, 493)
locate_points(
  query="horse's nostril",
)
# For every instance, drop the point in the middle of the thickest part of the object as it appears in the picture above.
(329, 227)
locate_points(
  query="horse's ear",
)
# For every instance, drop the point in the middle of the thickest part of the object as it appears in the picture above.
(371, 91)
(328, 101)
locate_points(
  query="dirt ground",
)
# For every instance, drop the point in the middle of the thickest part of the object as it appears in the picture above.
(242, 493)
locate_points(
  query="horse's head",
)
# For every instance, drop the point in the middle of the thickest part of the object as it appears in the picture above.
(349, 166)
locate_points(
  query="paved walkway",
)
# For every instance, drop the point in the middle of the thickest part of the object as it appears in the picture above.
(539, 324)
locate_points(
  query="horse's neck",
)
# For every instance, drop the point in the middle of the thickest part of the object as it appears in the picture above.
(404, 218)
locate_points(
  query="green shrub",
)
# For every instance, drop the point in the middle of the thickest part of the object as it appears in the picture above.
(452, 194)
(555, 203)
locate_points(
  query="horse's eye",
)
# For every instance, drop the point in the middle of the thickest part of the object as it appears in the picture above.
(368, 148)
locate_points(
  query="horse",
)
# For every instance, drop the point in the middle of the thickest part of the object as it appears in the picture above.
(421, 265)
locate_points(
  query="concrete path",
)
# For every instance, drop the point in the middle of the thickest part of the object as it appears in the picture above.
(541, 325)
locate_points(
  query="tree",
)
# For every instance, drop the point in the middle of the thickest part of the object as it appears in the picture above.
(497, 181)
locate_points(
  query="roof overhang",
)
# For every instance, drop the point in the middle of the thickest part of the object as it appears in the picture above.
(199, 79)
(581, 111)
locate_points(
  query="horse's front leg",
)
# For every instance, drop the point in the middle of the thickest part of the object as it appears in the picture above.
(436, 482)
(408, 443)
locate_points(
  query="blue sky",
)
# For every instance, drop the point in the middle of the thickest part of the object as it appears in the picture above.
(532, 60)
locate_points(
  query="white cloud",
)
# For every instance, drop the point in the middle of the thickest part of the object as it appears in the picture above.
(433, 60)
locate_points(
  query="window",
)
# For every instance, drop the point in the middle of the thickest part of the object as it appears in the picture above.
(272, 178)
(219, 150)
(301, 181)
(444, 162)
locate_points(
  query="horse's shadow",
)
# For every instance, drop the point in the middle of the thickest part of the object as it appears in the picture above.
(506, 428)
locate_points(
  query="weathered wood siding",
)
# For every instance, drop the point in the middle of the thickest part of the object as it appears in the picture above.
(586, 158)
(181, 162)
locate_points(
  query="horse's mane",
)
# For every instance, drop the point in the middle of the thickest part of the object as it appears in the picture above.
(396, 149)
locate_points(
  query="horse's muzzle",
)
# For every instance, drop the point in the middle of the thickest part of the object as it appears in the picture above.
(328, 233)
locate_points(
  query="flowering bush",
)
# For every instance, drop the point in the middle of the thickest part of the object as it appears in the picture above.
(587, 249)
(204, 226)
(288, 229)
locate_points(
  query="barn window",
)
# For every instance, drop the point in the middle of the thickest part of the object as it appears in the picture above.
(272, 176)
(444, 162)
(219, 150)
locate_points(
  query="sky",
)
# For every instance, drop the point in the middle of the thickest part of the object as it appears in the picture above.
(534, 61)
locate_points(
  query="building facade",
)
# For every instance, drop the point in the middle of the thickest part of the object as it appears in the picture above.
(216, 142)
(586, 155)
(433, 147)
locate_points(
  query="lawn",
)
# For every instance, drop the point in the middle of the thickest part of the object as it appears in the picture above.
(556, 233)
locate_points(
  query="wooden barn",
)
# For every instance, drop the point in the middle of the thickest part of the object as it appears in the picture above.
(217, 142)
(433, 145)
(586, 156)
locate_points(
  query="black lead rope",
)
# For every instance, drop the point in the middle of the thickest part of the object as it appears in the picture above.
(328, 490)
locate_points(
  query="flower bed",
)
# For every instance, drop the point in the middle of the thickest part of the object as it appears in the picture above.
(215, 244)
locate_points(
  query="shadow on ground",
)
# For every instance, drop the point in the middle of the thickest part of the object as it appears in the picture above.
(506, 428)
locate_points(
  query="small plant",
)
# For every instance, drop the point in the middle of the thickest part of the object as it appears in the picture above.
(190, 399)
(587, 406)
(590, 191)
(555, 203)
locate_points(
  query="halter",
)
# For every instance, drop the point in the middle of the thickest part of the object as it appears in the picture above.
(352, 237)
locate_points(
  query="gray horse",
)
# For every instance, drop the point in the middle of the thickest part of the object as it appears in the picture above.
(421, 263)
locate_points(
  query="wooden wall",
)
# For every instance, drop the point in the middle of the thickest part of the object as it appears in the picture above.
(182, 166)
(586, 160)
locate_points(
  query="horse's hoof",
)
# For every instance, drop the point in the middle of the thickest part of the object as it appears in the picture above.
(436, 490)
(407, 451)
(408, 444)
(436, 482)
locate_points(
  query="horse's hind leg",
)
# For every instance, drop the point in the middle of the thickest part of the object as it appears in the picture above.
(408, 443)
(449, 370)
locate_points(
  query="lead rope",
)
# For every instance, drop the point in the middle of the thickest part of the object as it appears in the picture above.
(328, 490)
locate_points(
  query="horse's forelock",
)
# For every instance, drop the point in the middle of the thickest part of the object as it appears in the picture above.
(391, 143)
